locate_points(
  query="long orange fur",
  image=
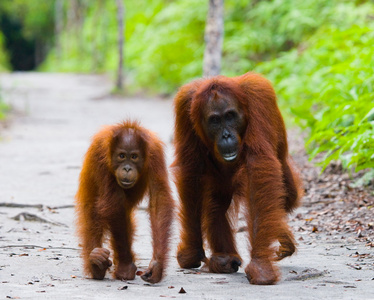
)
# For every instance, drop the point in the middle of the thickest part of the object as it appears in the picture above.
(263, 179)
(103, 207)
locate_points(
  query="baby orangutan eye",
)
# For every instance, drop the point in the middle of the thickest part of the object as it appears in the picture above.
(122, 155)
(134, 156)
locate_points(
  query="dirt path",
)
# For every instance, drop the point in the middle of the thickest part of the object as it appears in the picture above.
(41, 152)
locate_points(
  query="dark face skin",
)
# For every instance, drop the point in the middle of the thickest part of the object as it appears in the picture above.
(127, 159)
(224, 124)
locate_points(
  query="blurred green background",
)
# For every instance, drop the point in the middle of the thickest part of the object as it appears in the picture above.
(319, 54)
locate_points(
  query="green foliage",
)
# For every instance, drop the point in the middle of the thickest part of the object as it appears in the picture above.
(163, 48)
(172, 54)
(4, 61)
(36, 17)
(88, 48)
(3, 110)
(318, 53)
(328, 83)
(258, 32)
(165, 39)
(3, 67)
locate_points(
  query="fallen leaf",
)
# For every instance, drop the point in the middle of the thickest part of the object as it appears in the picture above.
(191, 272)
(242, 229)
(354, 266)
(221, 282)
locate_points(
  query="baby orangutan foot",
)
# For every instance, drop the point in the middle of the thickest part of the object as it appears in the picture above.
(99, 262)
(154, 272)
(190, 258)
(224, 263)
(125, 271)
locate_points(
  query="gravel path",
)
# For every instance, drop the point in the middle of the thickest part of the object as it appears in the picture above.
(41, 151)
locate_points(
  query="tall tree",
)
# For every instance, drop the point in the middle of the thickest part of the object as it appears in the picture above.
(121, 30)
(213, 39)
(59, 23)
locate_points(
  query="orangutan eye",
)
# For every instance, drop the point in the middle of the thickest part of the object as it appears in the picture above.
(122, 155)
(214, 119)
(134, 156)
(230, 115)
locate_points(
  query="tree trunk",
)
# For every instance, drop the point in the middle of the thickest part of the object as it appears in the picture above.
(75, 14)
(213, 39)
(100, 18)
(72, 14)
(59, 23)
(121, 30)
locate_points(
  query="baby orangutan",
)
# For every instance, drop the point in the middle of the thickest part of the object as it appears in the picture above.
(123, 163)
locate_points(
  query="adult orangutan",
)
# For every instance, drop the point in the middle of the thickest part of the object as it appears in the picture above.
(231, 147)
(123, 163)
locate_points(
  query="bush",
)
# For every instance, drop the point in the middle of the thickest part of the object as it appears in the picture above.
(328, 84)
(3, 67)
(318, 53)
(4, 62)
